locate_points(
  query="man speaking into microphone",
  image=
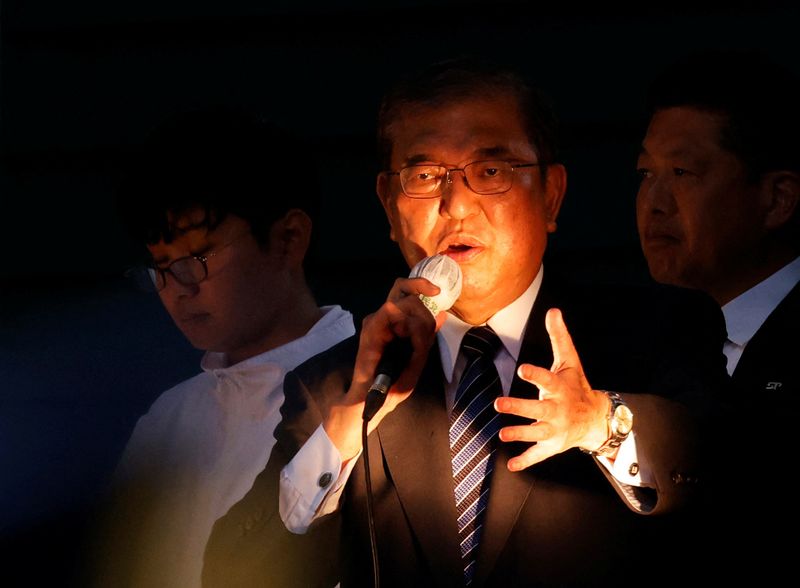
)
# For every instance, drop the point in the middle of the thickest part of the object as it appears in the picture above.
(538, 423)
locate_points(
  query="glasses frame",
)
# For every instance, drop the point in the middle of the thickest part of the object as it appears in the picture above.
(437, 192)
(152, 270)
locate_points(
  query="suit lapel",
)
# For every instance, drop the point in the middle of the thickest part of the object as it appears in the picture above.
(415, 444)
(767, 367)
(510, 490)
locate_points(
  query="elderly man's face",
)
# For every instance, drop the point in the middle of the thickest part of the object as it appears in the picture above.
(498, 240)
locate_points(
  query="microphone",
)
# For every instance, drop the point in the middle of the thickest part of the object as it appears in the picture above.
(445, 273)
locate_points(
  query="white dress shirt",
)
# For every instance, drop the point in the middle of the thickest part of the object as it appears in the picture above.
(303, 498)
(745, 314)
(204, 442)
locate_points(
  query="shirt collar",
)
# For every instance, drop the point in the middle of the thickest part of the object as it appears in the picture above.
(745, 314)
(509, 324)
(335, 325)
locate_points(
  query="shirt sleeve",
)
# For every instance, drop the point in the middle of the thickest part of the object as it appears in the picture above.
(312, 483)
(629, 468)
(632, 476)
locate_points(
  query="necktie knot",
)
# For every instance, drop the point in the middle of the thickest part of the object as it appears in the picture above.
(480, 341)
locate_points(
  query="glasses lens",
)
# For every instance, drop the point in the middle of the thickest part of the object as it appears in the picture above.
(421, 180)
(156, 278)
(489, 177)
(188, 270)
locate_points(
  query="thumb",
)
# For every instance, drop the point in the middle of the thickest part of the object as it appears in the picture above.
(564, 353)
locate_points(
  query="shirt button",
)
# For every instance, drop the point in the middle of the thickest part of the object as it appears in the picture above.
(633, 469)
(325, 480)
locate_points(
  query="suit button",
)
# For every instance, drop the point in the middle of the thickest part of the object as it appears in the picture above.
(325, 480)
(248, 524)
(677, 478)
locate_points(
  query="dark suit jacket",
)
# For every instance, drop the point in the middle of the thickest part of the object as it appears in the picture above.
(758, 462)
(558, 523)
(769, 365)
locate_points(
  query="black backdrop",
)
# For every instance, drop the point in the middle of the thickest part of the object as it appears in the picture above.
(82, 355)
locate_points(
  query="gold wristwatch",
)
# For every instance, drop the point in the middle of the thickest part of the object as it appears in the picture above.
(620, 423)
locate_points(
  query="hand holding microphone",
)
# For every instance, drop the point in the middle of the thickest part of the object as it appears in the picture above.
(445, 273)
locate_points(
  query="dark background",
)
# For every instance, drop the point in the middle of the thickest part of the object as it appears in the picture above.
(82, 354)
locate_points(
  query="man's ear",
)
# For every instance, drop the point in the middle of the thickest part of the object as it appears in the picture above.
(291, 235)
(782, 197)
(383, 189)
(555, 186)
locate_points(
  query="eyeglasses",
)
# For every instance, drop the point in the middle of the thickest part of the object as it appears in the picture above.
(187, 271)
(482, 177)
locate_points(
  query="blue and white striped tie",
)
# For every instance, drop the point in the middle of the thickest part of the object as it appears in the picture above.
(473, 432)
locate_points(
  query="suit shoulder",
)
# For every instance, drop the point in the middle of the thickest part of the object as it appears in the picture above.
(646, 302)
(338, 358)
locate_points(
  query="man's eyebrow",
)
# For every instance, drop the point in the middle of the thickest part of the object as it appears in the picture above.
(681, 151)
(418, 158)
(482, 153)
(205, 248)
(496, 151)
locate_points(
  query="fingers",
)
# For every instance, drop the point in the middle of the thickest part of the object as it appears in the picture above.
(564, 353)
(406, 317)
(412, 287)
(529, 457)
(540, 377)
(529, 408)
(539, 431)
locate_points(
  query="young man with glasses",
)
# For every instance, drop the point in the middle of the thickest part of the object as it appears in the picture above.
(551, 488)
(216, 199)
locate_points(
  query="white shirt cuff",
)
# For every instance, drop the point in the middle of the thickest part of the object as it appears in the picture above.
(628, 468)
(311, 484)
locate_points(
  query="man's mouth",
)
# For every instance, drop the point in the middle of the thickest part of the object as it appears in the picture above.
(194, 317)
(462, 248)
(660, 238)
(457, 248)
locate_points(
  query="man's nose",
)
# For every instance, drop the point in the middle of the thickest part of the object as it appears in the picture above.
(458, 200)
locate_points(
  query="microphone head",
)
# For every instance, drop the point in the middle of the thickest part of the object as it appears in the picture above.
(445, 273)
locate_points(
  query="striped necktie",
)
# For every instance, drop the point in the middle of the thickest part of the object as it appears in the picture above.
(473, 431)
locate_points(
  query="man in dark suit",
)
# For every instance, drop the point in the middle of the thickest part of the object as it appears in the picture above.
(717, 211)
(562, 482)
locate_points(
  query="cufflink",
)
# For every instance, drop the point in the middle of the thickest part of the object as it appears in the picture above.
(325, 480)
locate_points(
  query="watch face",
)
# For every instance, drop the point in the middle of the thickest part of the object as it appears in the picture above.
(622, 421)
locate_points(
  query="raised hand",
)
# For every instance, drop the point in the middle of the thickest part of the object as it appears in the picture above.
(402, 315)
(568, 413)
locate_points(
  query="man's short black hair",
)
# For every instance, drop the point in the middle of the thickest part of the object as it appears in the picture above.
(220, 159)
(758, 98)
(467, 77)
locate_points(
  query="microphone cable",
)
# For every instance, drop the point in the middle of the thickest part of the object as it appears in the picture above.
(370, 509)
(445, 273)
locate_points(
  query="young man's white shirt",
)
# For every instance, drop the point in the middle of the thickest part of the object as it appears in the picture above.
(204, 441)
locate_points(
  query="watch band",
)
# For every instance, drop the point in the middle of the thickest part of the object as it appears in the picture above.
(620, 423)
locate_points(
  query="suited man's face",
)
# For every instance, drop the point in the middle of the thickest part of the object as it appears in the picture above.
(499, 239)
(701, 218)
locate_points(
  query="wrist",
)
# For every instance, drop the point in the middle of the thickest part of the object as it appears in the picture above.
(343, 427)
(619, 423)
